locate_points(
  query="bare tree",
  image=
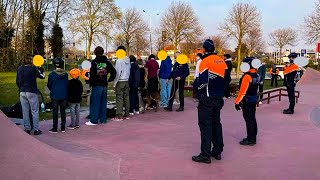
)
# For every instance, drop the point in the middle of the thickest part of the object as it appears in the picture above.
(242, 18)
(91, 18)
(12, 9)
(283, 37)
(312, 24)
(61, 8)
(220, 43)
(181, 23)
(133, 29)
(254, 41)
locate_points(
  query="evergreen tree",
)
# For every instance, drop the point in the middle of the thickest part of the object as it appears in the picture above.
(56, 41)
(34, 35)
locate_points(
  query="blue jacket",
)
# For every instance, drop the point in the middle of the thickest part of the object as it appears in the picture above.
(165, 68)
(26, 78)
(180, 70)
(58, 85)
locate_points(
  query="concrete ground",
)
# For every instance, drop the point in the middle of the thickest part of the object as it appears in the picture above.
(159, 145)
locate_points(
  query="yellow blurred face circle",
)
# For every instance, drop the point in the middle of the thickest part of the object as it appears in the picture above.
(120, 54)
(182, 59)
(162, 55)
(38, 60)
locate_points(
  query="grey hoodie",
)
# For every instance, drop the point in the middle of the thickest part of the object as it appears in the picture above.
(123, 70)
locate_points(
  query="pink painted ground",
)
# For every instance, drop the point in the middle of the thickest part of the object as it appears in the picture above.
(156, 146)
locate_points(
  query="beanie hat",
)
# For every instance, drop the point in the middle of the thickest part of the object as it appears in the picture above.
(208, 45)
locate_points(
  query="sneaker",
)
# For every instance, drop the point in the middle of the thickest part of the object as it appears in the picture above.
(54, 131)
(201, 159)
(71, 127)
(27, 131)
(162, 105)
(260, 102)
(63, 129)
(77, 126)
(117, 119)
(90, 123)
(137, 112)
(168, 108)
(131, 114)
(37, 132)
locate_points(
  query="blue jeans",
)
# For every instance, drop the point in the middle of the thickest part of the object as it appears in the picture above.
(74, 111)
(98, 104)
(165, 92)
(30, 101)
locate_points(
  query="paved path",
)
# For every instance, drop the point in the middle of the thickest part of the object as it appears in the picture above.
(159, 146)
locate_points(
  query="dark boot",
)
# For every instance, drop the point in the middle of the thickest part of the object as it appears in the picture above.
(180, 109)
(288, 112)
(246, 142)
(201, 159)
(216, 156)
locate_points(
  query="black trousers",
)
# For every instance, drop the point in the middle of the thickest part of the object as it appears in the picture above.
(227, 87)
(249, 115)
(177, 85)
(291, 95)
(210, 126)
(153, 84)
(134, 100)
(274, 79)
(261, 91)
(56, 105)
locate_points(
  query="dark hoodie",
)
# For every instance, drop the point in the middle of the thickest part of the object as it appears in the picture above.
(134, 79)
(58, 84)
(75, 90)
(100, 67)
(165, 68)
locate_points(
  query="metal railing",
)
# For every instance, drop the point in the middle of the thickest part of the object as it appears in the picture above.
(278, 95)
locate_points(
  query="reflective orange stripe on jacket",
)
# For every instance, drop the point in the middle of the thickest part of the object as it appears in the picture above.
(214, 64)
(277, 71)
(291, 68)
(244, 86)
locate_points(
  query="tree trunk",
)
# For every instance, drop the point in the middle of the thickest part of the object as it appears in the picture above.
(280, 55)
(89, 45)
(239, 58)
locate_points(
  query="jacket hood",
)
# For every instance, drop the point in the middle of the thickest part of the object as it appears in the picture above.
(168, 59)
(61, 73)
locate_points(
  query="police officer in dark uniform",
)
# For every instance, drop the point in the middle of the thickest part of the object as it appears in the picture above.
(247, 100)
(211, 92)
(290, 73)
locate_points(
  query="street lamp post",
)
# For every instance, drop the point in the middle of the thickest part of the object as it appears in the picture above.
(150, 28)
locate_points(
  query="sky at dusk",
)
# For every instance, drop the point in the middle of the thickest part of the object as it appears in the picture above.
(275, 14)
